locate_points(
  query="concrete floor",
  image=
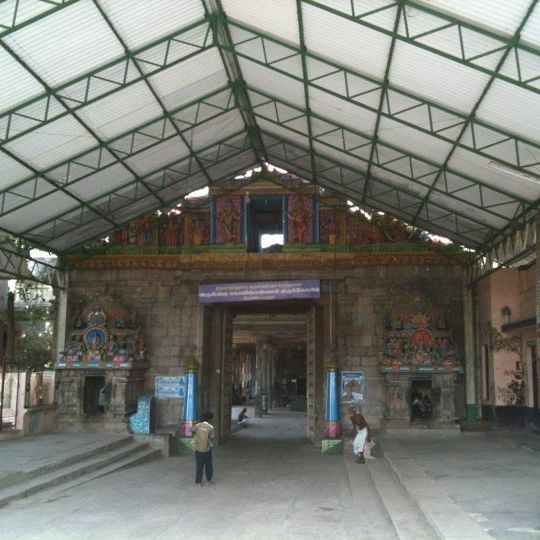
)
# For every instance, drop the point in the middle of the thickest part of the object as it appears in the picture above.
(272, 483)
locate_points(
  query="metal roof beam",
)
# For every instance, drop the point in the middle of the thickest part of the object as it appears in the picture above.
(180, 170)
(223, 40)
(384, 85)
(487, 140)
(444, 166)
(350, 140)
(82, 91)
(13, 19)
(120, 148)
(518, 245)
(17, 263)
(496, 45)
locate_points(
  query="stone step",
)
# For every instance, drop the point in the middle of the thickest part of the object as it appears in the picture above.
(65, 476)
(446, 518)
(406, 517)
(50, 466)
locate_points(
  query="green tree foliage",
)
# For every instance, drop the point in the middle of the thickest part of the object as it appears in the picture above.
(32, 351)
(33, 335)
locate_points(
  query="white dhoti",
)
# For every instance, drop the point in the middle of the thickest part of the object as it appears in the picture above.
(359, 441)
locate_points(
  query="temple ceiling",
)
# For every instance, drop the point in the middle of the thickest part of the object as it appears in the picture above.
(423, 110)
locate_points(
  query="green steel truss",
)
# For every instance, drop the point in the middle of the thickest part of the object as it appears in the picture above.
(17, 263)
(458, 38)
(388, 101)
(15, 14)
(429, 192)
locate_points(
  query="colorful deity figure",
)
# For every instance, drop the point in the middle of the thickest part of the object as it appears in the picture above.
(229, 221)
(300, 218)
(109, 338)
(198, 229)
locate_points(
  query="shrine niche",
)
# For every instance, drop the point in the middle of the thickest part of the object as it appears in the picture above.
(100, 372)
(420, 362)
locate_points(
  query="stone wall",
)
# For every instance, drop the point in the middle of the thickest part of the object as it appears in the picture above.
(365, 297)
(166, 309)
(165, 303)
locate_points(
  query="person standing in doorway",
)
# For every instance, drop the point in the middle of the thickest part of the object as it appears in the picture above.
(361, 428)
(204, 436)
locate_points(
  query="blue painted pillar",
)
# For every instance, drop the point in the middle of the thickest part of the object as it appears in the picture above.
(332, 421)
(189, 411)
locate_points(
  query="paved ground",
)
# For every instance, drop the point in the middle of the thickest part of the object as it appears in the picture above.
(271, 483)
(494, 477)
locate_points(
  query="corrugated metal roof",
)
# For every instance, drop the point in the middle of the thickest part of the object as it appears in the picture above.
(499, 15)
(278, 17)
(355, 48)
(161, 17)
(217, 130)
(262, 78)
(122, 111)
(92, 186)
(38, 212)
(66, 44)
(511, 108)
(52, 143)
(21, 86)
(158, 156)
(11, 171)
(453, 144)
(424, 73)
(190, 79)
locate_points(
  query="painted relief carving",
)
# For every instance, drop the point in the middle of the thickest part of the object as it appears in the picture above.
(300, 219)
(199, 230)
(362, 231)
(103, 337)
(308, 217)
(419, 339)
(331, 226)
(171, 230)
(228, 218)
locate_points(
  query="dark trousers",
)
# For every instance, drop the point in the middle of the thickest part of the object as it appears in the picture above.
(203, 461)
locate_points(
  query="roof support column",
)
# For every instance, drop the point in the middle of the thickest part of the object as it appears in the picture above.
(61, 295)
(473, 410)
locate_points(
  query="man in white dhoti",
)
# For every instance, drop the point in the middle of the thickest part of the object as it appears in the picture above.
(361, 428)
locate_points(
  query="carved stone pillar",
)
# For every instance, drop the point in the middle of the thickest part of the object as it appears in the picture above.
(443, 403)
(397, 403)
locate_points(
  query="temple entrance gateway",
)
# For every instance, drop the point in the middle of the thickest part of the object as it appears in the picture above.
(260, 355)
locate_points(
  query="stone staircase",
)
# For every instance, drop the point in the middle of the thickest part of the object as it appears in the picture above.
(72, 470)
